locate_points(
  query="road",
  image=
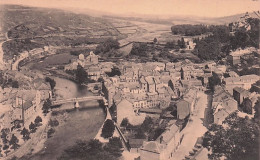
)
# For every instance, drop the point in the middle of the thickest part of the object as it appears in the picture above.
(194, 128)
(2, 52)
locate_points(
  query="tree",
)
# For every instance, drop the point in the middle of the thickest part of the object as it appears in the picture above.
(32, 127)
(53, 123)
(81, 75)
(4, 134)
(140, 133)
(26, 134)
(108, 129)
(155, 40)
(124, 122)
(114, 72)
(114, 146)
(15, 84)
(247, 106)
(50, 132)
(107, 46)
(51, 81)
(237, 140)
(14, 142)
(170, 44)
(257, 110)
(37, 120)
(140, 49)
(147, 124)
(89, 150)
(214, 80)
(181, 43)
(208, 49)
(46, 106)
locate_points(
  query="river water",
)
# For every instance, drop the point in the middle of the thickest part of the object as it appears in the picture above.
(75, 125)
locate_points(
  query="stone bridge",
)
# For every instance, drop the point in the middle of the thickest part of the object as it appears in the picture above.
(78, 99)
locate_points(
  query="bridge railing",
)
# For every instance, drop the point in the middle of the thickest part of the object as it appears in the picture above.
(79, 99)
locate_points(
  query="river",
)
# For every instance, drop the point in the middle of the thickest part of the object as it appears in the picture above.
(77, 124)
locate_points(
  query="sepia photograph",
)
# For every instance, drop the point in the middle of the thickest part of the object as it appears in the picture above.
(129, 79)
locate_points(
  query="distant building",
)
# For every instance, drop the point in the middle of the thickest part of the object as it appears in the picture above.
(84, 61)
(235, 56)
(92, 58)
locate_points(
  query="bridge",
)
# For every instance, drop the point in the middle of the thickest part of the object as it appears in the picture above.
(78, 99)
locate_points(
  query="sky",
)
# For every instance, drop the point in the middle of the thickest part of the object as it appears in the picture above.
(202, 8)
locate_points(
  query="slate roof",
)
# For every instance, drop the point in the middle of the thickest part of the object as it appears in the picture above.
(136, 143)
(152, 146)
(168, 134)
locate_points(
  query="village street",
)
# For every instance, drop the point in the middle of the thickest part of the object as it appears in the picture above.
(194, 129)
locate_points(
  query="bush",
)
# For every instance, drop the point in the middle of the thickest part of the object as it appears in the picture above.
(53, 123)
(15, 84)
(46, 106)
(108, 45)
(50, 132)
(38, 120)
(32, 127)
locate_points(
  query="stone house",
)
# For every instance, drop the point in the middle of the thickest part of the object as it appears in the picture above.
(163, 147)
(245, 82)
(186, 105)
(240, 94)
(223, 104)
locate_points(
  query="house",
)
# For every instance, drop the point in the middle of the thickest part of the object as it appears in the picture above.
(144, 84)
(224, 109)
(151, 84)
(94, 72)
(92, 58)
(125, 109)
(163, 147)
(186, 73)
(232, 74)
(151, 150)
(196, 83)
(223, 104)
(245, 82)
(183, 109)
(240, 94)
(25, 104)
(135, 144)
(186, 106)
(43, 87)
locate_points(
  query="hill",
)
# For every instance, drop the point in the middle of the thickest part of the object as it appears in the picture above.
(32, 27)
